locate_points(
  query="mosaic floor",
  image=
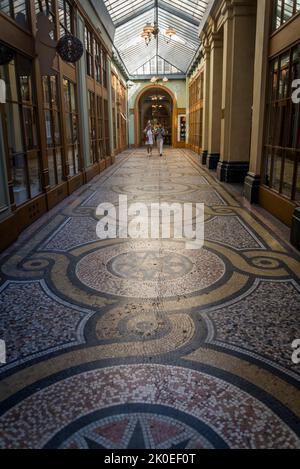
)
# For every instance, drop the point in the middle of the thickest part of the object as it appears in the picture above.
(142, 343)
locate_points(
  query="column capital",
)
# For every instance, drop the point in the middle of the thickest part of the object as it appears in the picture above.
(203, 36)
(205, 45)
(215, 40)
(231, 8)
(227, 8)
(206, 53)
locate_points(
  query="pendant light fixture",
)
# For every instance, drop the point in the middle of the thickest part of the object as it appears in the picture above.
(151, 31)
(169, 33)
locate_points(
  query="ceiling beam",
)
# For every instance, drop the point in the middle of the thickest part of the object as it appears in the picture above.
(133, 15)
(162, 5)
(174, 76)
(174, 11)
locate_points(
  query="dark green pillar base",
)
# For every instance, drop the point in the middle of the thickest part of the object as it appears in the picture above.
(295, 231)
(203, 157)
(251, 188)
(212, 160)
(232, 172)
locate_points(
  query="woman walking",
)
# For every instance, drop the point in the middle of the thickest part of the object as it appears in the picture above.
(160, 133)
(149, 138)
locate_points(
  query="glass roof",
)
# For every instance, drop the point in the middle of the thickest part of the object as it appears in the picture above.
(157, 66)
(130, 16)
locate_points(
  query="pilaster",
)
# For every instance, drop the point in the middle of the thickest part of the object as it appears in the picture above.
(206, 85)
(83, 99)
(110, 108)
(214, 101)
(237, 89)
(252, 182)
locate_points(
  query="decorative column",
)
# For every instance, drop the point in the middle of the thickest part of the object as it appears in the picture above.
(117, 111)
(252, 181)
(214, 102)
(83, 99)
(237, 89)
(110, 110)
(206, 85)
(37, 70)
(187, 117)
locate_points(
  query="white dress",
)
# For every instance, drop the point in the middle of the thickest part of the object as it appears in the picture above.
(149, 140)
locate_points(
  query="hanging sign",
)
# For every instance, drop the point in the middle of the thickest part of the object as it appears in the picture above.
(70, 48)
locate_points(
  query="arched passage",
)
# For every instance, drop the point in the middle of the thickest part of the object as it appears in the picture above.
(167, 113)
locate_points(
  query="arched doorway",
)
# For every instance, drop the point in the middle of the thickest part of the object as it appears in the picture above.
(158, 104)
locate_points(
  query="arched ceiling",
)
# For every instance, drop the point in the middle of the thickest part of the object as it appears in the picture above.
(130, 16)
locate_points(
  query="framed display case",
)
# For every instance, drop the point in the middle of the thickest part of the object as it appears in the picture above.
(181, 128)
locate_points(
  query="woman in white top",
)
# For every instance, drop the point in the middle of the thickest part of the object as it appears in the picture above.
(149, 138)
(160, 133)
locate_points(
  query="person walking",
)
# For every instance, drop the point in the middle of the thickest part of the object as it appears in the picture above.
(149, 138)
(160, 133)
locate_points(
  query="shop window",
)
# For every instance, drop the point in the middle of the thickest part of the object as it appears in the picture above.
(16, 10)
(106, 128)
(21, 128)
(100, 131)
(196, 111)
(89, 52)
(98, 63)
(48, 8)
(114, 127)
(282, 148)
(65, 15)
(53, 129)
(122, 116)
(284, 10)
(113, 88)
(104, 68)
(71, 120)
(92, 125)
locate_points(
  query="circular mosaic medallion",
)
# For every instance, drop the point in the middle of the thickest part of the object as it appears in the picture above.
(148, 270)
(150, 265)
(138, 431)
(143, 406)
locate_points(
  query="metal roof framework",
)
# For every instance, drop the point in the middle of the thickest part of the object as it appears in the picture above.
(130, 16)
(164, 67)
